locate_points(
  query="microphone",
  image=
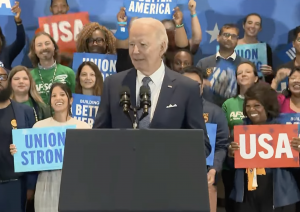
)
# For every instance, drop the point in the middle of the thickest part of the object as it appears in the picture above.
(145, 100)
(125, 99)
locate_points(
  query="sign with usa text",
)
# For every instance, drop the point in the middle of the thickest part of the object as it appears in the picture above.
(85, 107)
(265, 146)
(212, 134)
(158, 9)
(105, 62)
(5, 7)
(64, 28)
(39, 149)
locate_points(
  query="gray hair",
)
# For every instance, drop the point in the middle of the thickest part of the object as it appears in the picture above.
(160, 30)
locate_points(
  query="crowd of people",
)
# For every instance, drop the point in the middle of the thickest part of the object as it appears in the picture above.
(158, 55)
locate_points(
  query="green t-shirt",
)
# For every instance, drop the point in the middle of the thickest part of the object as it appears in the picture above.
(28, 102)
(63, 74)
(233, 109)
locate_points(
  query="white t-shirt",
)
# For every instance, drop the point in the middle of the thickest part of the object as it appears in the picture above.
(50, 122)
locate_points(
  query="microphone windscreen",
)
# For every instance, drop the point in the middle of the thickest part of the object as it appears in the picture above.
(145, 90)
(125, 89)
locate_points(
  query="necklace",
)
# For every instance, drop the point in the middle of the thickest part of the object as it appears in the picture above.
(43, 80)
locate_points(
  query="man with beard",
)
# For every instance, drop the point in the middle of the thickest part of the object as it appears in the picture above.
(44, 57)
(227, 38)
(14, 187)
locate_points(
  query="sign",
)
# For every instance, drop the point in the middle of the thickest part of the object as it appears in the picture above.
(223, 80)
(256, 53)
(290, 118)
(105, 62)
(212, 134)
(158, 9)
(39, 149)
(5, 7)
(265, 146)
(85, 107)
(64, 28)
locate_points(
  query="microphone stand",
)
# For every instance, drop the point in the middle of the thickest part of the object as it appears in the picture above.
(135, 119)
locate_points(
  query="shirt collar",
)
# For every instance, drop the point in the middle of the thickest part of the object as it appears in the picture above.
(156, 77)
(233, 56)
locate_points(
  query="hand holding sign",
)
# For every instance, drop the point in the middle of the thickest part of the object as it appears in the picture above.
(121, 16)
(266, 70)
(295, 144)
(13, 149)
(232, 148)
(17, 10)
(178, 16)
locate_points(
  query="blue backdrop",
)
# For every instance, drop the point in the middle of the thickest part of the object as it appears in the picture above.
(278, 19)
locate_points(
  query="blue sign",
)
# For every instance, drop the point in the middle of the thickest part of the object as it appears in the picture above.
(290, 118)
(287, 54)
(5, 7)
(105, 62)
(85, 107)
(223, 79)
(39, 149)
(158, 9)
(212, 134)
(256, 53)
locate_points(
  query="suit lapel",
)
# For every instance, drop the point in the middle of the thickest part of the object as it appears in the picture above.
(166, 92)
(130, 81)
(19, 115)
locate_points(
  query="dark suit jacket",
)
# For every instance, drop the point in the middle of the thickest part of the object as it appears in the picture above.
(25, 119)
(176, 89)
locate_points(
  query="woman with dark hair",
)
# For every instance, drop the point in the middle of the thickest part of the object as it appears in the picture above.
(9, 53)
(24, 91)
(95, 38)
(289, 100)
(246, 75)
(89, 80)
(277, 190)
(48, 183)
(252, 25)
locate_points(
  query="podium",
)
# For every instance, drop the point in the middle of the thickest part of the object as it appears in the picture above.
(120, 170)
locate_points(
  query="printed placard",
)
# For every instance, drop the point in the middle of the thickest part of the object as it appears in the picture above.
(39, 149)
(85, 107)
(212, 134)
(265, 146)
(64, 28)
(158, 9)
(5, 7)
(105, 62)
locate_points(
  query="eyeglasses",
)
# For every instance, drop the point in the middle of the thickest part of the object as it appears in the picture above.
(233, 36)
(298, 39)
(97, 40)
(3, 77)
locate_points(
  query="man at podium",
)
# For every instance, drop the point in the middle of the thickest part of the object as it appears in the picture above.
(167, 100)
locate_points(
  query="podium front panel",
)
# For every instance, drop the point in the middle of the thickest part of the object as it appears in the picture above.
(134, 170)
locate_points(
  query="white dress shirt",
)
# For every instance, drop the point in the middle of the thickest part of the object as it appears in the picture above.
(155, 86)
(233, 56)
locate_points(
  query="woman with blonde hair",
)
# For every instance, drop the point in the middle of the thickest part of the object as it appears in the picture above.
(24, 91)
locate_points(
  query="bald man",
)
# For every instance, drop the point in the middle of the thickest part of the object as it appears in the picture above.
(175, 100)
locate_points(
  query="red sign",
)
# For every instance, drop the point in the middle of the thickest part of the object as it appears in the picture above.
(64, 28)
(265, 146)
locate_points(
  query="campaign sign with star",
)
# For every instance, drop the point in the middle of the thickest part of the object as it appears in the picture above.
(265, 146)
(39, 149)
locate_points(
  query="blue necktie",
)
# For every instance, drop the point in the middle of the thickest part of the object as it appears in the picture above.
(145, 122)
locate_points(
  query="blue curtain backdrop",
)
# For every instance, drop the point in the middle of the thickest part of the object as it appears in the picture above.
(279, 17)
